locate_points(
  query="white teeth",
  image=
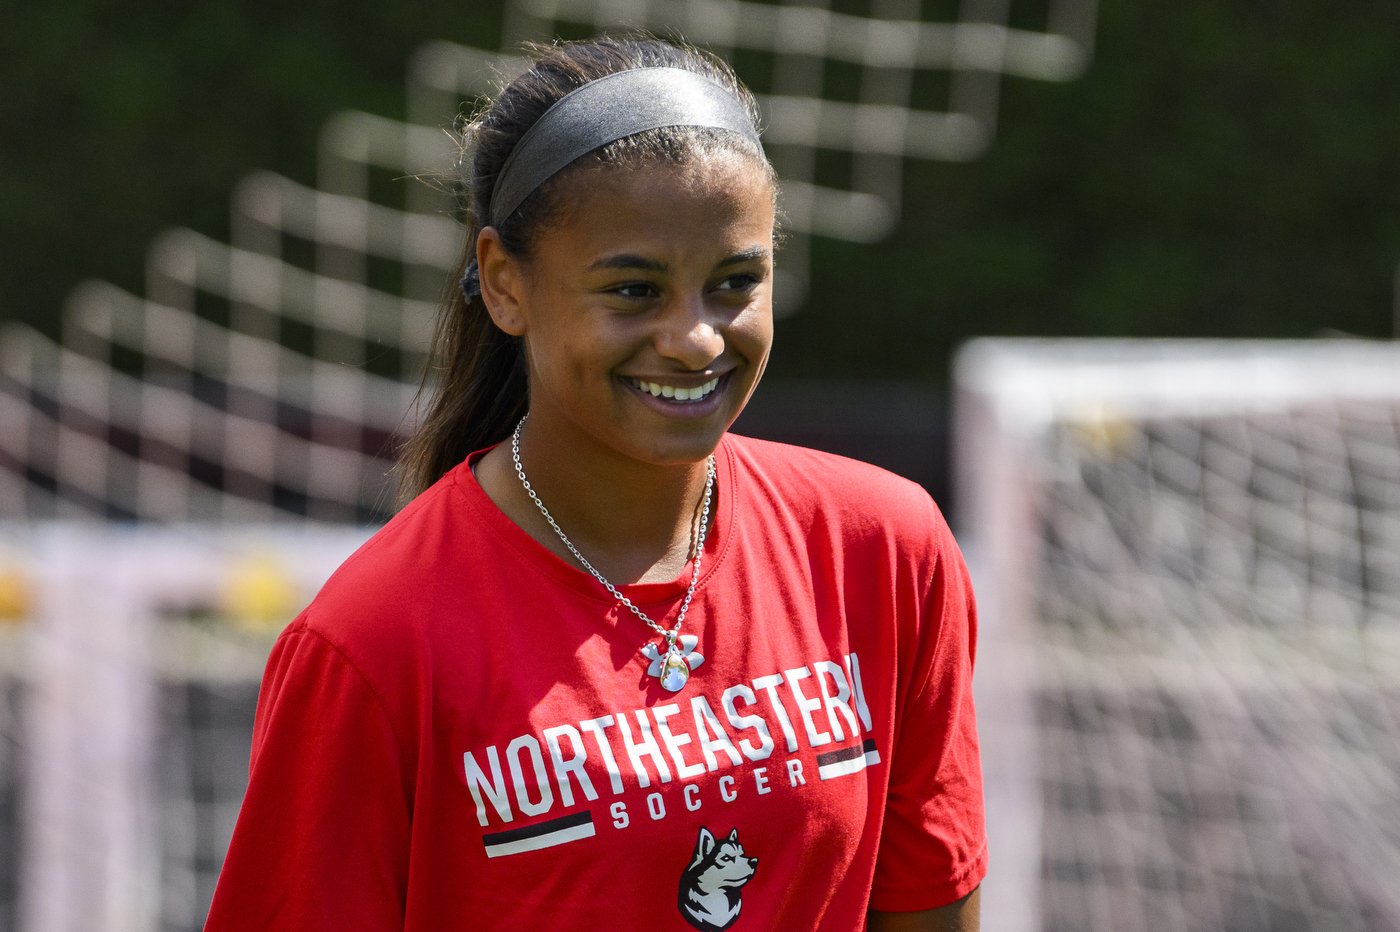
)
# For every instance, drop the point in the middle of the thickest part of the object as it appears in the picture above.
(679, 394)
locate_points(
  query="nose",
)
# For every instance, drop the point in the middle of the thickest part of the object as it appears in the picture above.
(690, 333)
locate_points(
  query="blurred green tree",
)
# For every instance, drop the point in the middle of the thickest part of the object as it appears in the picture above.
(1221, 169)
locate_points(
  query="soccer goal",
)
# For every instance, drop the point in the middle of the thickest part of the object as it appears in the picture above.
(1188, 560)
(130, 659)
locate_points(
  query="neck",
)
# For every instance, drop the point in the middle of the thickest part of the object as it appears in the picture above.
(631, 519)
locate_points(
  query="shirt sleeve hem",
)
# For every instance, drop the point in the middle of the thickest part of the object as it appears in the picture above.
(911, 900)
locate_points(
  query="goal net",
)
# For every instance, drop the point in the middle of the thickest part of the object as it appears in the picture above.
(1188, 557)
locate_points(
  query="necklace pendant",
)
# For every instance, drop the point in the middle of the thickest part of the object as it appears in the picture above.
(673, 667)
(675, 672)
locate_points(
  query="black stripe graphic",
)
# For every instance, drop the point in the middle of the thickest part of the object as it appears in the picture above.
(543, 828)
(836, 757)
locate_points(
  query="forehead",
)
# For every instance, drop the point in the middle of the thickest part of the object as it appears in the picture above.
(695, 205)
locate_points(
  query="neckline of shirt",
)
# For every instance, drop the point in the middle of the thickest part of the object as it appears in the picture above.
(575, 577)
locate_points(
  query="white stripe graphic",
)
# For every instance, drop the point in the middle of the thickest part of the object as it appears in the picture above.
(573, 833)
(853, 765)
(841, 768)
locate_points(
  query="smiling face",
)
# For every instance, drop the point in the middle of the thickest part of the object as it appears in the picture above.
(645, 306)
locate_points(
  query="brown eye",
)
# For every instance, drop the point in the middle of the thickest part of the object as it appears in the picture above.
(635, 290)
(737, 283)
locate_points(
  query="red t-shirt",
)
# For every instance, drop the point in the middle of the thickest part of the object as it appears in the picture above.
(460, 732)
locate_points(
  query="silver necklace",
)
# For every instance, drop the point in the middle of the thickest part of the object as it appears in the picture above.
(673, 667)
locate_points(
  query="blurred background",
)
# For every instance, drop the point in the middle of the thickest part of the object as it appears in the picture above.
(218, 269)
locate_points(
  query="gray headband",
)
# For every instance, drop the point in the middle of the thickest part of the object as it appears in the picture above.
(611, 108)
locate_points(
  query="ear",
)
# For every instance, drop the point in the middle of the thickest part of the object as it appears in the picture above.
(733, 835)
(703, 846)
(502, 281)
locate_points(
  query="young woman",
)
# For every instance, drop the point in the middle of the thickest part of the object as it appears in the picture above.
(614, 668)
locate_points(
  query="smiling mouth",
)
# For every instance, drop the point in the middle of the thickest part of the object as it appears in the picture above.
(675, 393)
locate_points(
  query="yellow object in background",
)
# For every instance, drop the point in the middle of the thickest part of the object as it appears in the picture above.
(16, 596)
(1104, 431)
(259, 595)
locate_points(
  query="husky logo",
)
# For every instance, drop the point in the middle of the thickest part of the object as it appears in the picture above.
(712, 886)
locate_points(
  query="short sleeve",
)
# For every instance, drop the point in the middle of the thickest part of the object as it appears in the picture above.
(322, 839)
(933, 845)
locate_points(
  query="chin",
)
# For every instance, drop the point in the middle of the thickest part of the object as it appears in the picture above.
(683, 451)
(676, 447)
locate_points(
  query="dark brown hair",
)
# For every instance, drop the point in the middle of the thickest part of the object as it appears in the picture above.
(482, 388)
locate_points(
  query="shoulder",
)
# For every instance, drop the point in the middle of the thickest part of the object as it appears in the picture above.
(822, 487)
(410, 544)
(382, 599)
(361, 648)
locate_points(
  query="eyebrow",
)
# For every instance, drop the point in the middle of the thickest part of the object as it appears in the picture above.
(633, 261)
(628, 261)
(748, 255)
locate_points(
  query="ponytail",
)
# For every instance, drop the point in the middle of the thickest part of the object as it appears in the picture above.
(482, 393)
